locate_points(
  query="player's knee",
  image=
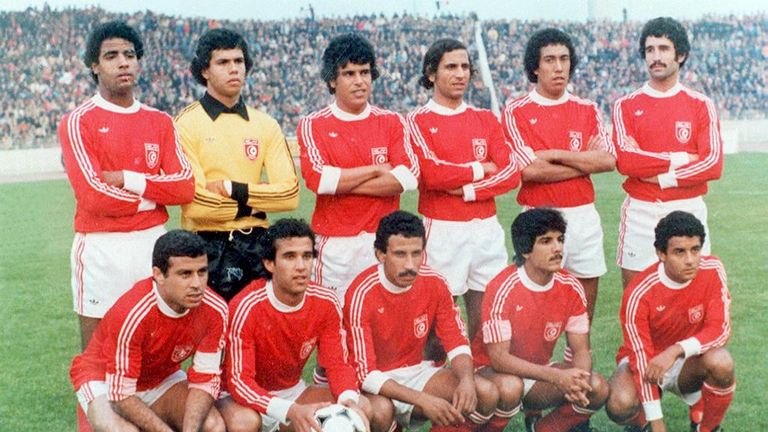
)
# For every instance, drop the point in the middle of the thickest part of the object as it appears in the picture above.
(383, 413)
(719, 365)
(213, 422)
(487, 395)
(600, 391)
(621, 404)
(243, 420)
(510, 391)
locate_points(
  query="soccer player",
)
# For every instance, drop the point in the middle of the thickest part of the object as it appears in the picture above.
(389, 311)
(559, 141)
(357, 159)
(668, 144)
(130, 378)
(276, 323)
(231, 147)
(526, 308)
(465, 163)
(675, 319)
(125, 165)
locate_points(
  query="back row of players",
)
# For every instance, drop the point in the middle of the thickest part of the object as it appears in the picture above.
(125, 162)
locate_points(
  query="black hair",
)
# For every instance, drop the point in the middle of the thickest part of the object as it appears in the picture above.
(533, 223)
(176, 243)
(398, 223)
(677, 224)
(344, 49)
(672, 30)
(214, 40)
(282, 229)
(110, 30)
(541, 39)
(433, 56)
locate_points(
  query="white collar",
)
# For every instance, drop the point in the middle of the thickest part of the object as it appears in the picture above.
(543, 100)
(163, 306)
(444, 110)
(345, 116)
(109, 106)
(531, 285)
(277, 304)
(389, 286)
(650, 91)
(669, 283)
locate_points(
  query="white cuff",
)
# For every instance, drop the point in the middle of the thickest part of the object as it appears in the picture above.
(329, 180)
(228, 187)
(477, 171)
(691, 346)
(207, 363)
(146, 205)
(348, 395)
(667, 180)
(134, 182)
(405, 177)
(652, 410)
(469, 192)
(374, 381)
(278, 409)
(678, 159)
(459, 350)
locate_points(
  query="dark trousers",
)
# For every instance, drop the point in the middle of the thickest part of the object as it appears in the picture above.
(234, 259)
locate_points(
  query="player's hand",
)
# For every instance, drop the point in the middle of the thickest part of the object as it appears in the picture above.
(595, 143)
(362, 406)
(658, 425)
(384, 168)
(630, 142)
(302, 417)
(438, 410)
(465, 397)
(653, 179)
(660, 364)
(574, 383)
(489, 168)
(693, 157)
(217, 187)
(455, 192)
(113, 178)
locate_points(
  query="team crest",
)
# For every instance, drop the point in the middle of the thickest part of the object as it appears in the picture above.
(251, 148)
(379, 155)
(695, 314)
(420, 327)
(307, 347)
(552, 331)
(683, 131)
(152, 154)
(574, 140)
(181, 352)
(479, 148)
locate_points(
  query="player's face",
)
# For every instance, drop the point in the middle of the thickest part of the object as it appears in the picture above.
(662, 61)
(402, 259)
(291, 268)
(117, 68)
(546, 256)
(451, 78)
(554, 71)
(682, 258)
(353, 87)
(183, 285)
(225, 74)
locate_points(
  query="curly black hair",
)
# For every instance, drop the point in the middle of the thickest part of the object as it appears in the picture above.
(110, 30)
(540, 39)
(344, 49)
(213, 40)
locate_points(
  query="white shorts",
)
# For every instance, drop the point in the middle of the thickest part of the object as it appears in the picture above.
(670, 381)
(468, 254)
(94, 389)
(106, 265)
(636, 229)
(341, 259)
(414, 377)
(270, 424)
(583, 254)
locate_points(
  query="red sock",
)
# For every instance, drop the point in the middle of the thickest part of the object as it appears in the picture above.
(716, 403)
(82, 421)
(563, 418)
(696, 411)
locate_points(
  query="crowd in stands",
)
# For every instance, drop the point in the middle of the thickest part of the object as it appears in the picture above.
(42, 75)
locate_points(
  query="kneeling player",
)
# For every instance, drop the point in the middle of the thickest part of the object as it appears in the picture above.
(129, 376)
(525, 310)
(389, 311)
(275, 325)
(675, 320)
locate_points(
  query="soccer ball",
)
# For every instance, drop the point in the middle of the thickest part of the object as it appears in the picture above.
(338, 418)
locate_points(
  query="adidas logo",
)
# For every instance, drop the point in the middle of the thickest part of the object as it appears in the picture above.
(333, 134)
(533, 121)
(660, 308)
(638, 113)
(104, 129)
(433, 130)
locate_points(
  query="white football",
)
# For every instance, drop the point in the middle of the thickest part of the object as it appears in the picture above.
(338, 418)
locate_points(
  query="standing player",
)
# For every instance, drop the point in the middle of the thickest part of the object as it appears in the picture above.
(668, 144)
(464, 164)
(389, 311)
(676, 323)
(357, 159)
(130, 376)
(276, 323)
(124, 163)
(559, 141)
(526, 309)
(231, 147)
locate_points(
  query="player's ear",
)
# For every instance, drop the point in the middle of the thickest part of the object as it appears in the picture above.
(269, 265)
(158, 275)
(380, 256)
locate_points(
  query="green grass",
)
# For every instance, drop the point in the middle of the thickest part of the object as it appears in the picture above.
(39, 332)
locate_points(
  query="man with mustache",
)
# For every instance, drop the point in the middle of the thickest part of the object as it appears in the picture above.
(668, 145)
(231, 147)
(526, 308)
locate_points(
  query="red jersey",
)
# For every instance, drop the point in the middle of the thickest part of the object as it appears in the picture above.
(270, 343)
(533, 123)
(330, 140)
(667, 125)
(141, 341)
(532, 317)
(451, 145)
(657, 312)
(141, 141)
(387, 326)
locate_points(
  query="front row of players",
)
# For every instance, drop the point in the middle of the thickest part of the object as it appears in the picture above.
(674, 316)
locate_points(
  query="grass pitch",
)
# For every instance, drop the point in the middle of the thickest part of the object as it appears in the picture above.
(39, 332)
